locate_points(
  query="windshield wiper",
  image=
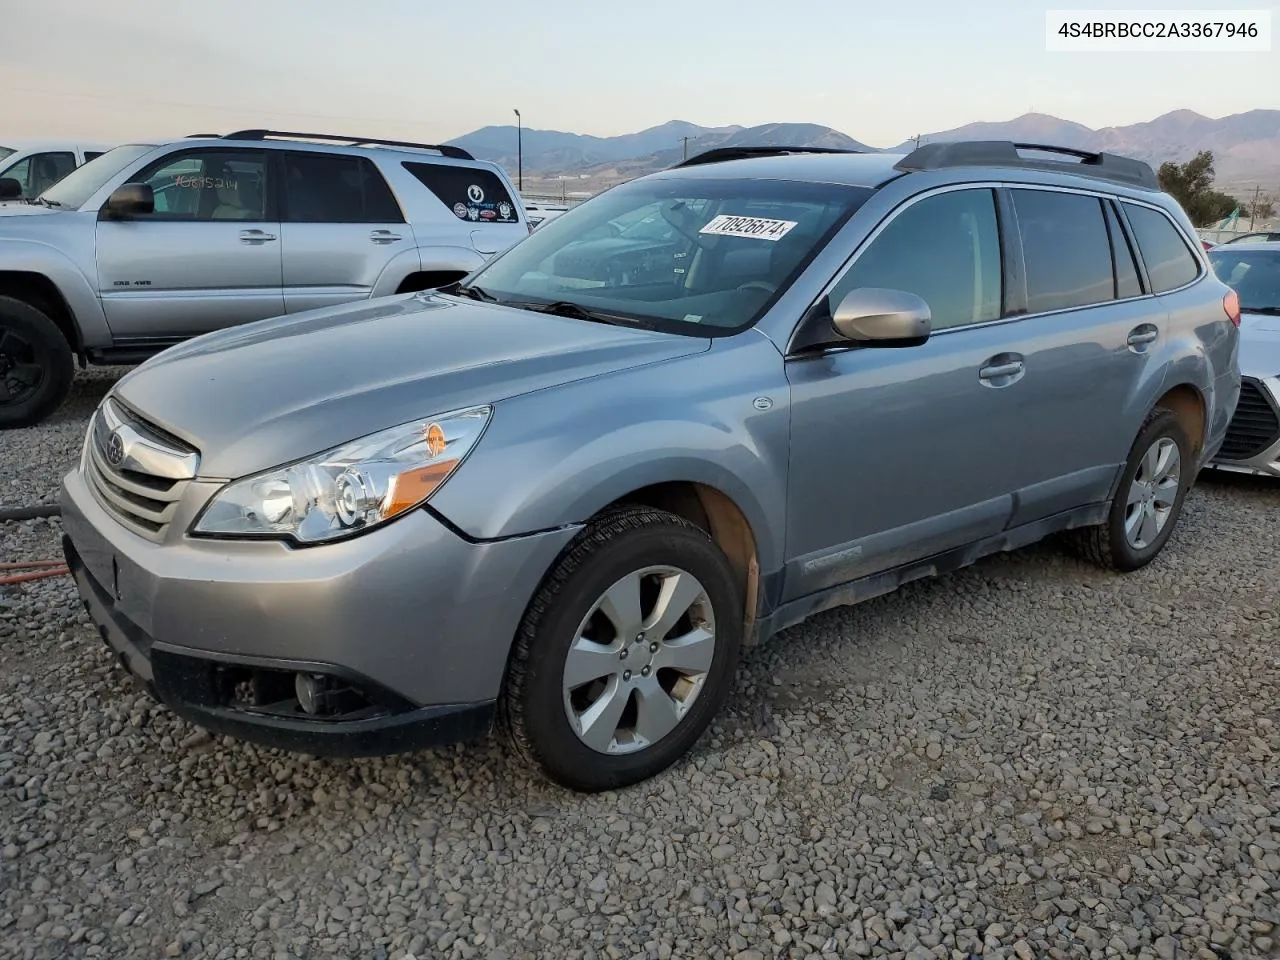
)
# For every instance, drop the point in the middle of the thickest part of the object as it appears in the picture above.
(470, 291)
(48, 203)
(567, 308)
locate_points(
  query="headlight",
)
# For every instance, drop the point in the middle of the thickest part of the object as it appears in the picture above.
(350, 488)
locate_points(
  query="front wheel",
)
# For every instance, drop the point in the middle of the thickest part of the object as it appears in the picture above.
(626, 652)
(1149, 499)
(36, 366)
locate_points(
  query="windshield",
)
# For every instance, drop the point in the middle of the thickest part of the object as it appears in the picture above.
(1253, 274)
(696, 256)
(75, 189)
(6, 152)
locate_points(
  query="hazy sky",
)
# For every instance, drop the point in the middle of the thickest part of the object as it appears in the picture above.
(434, 69)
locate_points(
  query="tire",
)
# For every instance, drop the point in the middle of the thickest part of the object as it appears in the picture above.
(608, 556)
(1111, 545)
(36, 365)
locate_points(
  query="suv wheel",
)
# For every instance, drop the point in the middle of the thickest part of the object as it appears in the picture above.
(35, 364)
(625, 653)
(1149, 499)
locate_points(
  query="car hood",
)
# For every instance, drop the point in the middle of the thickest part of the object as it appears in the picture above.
(17, 208)
(1259, 345)
(262, 394)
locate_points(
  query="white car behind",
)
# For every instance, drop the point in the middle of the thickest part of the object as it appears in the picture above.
(37, 165)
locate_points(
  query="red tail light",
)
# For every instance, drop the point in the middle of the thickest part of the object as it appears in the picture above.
(1231, 304)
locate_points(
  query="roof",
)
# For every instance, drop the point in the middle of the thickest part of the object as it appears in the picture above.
(849, 169)
(959, 161)
(28, 144)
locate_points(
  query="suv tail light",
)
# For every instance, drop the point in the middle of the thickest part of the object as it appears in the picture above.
(1231, 304)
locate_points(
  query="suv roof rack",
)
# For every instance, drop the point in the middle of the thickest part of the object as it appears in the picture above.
(457, 153)
(722, 154)
(1004, 153)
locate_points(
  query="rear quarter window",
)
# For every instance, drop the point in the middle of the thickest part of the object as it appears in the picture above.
(471, 194)
(1170, 262)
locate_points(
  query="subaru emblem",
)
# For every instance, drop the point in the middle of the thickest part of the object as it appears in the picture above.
(115, 450)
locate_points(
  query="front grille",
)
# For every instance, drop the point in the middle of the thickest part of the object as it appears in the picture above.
(152, 469)
(1255, 425)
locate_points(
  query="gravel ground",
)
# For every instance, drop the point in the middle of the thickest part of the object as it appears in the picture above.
(1027, 759)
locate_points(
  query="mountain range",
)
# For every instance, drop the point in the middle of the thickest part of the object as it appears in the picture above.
(1246, 146)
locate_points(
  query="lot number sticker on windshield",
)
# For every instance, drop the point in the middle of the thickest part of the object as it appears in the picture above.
(759, 228)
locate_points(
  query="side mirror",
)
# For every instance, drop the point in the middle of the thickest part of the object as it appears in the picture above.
(10, 189)
(882, 318)
(130, 200)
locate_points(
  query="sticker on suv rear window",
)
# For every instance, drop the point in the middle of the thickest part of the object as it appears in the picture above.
(759, 228)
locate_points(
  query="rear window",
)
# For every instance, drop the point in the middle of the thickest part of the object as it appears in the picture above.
(1253, 274)
(472, 194)
(1170, 262)
(1066, 248)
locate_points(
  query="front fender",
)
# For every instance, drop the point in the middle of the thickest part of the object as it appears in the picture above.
(557, 457)
(38, 257)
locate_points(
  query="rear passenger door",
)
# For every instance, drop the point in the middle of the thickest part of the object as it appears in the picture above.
(341, 228)
(1084, 344)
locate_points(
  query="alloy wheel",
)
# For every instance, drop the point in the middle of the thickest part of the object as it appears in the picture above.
(639, 660)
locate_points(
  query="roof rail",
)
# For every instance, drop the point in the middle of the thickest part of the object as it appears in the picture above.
(457, 153)
(722, 154)
(1004, 153)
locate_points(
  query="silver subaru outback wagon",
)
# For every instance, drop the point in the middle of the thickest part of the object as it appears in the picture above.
(562, 493)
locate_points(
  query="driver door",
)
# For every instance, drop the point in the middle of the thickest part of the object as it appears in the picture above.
(898, 454)
(208, 257)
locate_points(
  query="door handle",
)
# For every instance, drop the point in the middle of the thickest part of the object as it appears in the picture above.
(255, 236)
(1142, 336)
(384, 236)
(998, 371)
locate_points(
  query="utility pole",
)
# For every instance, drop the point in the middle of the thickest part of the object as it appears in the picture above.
(519, 154)
(916, 138)
(685, 142)
(1253, 211)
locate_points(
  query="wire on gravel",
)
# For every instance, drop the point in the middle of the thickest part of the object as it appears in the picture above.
(30, 513)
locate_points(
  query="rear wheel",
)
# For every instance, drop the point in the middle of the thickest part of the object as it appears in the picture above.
(626, 652)
(36, 365)
(1149, 499)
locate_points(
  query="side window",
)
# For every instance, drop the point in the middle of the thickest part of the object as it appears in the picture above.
(92, 155)
(1066, 249)
(946, 250)
(21, 171)
(470, 192)
(1170, 262)
(208, 185)
(1127, 282)
(329, 188)
(48, 168)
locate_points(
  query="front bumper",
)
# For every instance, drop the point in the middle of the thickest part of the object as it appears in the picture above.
(1253, 438)
(416, 619)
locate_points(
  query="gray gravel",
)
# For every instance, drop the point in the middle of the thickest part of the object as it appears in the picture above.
(1028, 759)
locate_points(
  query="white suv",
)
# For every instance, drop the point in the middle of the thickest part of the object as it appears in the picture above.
(35, 166)
(153, 244)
